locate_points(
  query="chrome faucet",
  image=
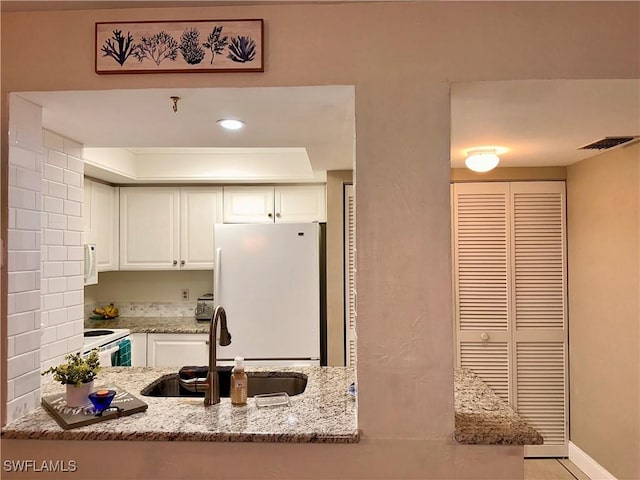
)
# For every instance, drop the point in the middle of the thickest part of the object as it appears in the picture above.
(212, 392)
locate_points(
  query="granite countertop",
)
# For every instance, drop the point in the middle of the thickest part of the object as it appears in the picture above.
(323, 413)
(484, 418)
(152, 324)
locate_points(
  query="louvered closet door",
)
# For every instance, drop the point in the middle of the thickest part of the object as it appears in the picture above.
(350, 272)
(481, 287)
(539, 310)
(510, 298)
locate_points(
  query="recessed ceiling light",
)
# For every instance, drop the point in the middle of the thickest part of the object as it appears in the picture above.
(230, 124)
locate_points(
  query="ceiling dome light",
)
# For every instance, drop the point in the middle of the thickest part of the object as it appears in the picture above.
(482, 160)
(230, 124)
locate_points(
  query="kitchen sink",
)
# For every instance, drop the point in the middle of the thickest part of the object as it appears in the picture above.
(293, 383)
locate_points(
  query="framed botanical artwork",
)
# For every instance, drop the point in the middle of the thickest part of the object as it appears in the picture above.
(180, 46)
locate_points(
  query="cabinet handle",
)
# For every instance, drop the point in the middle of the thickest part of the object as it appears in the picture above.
(278, 215)
(484, 336)
(175, 262)
(181, 262)
(270, 215)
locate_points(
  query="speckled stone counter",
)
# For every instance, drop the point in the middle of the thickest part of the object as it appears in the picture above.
(152, 324)
(484, 418)
(323, 413)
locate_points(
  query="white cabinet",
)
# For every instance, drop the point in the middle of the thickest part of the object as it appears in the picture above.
(248, 205)
(280, 204)
(149, 228)
(298, 204)
(138, 349)
(177, 349)
(171, 228)
(167, 228)
(200, 210)
(101, 222)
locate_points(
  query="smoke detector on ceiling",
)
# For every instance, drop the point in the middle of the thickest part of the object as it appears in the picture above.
(609, 142)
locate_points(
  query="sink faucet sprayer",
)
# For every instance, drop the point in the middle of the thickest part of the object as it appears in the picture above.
(212, 394)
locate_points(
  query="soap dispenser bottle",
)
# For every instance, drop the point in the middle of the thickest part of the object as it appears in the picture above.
(238, 383)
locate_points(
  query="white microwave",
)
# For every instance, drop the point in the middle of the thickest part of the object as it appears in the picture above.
(90, 264)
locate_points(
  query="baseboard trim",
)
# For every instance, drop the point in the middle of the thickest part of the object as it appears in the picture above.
(588, 465)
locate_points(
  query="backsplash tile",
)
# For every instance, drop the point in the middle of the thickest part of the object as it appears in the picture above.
(26, 383)
(18, 323)
(22, 364)
(17, 407)
(148, 309)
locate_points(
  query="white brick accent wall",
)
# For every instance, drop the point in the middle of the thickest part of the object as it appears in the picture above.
(61, 284)
(23, 245)
(45, 298)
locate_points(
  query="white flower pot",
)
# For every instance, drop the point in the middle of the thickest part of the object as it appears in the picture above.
(79, 396)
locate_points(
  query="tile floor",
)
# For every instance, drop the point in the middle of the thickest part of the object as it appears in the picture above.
(552, 469)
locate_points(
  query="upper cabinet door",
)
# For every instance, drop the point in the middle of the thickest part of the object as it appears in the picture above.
(149, 228)
(105, 225)
(299, 204)
(200, 210)
(248, 205)
(100, 222)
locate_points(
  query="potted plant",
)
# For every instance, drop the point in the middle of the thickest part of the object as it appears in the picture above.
(77, 374)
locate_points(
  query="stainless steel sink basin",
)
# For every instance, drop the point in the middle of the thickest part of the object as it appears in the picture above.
(293, 383)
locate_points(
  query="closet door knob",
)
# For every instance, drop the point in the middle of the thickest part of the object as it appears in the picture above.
(182, 262)
(175, 262)
(270, 215)
(484, 336)
(278, 215)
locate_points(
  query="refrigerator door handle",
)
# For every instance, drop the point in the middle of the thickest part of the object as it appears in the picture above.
(216, 277)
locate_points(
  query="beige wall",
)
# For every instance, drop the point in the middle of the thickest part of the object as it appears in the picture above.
(603, 199)
(509, 174)
(401, 57)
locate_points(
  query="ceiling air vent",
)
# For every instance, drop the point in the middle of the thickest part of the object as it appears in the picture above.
(607, 142)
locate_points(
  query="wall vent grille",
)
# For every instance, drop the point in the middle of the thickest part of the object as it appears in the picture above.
(608, 142)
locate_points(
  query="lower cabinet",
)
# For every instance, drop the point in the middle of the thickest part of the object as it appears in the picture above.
(177, 349)
(138, 349)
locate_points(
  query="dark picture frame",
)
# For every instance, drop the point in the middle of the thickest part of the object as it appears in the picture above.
(179, 46)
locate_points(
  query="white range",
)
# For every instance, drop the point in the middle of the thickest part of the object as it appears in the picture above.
(102, 338)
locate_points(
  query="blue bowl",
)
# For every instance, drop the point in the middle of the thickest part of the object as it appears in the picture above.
(101, 399)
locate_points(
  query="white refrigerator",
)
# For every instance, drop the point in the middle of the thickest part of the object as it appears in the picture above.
(268, 279)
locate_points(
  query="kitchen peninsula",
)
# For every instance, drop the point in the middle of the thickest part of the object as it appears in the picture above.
(324, 413)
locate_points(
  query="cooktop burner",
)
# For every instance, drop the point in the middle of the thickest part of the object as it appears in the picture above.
(97, 333)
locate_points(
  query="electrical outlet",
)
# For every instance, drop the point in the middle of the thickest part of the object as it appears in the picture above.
(185, 294)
